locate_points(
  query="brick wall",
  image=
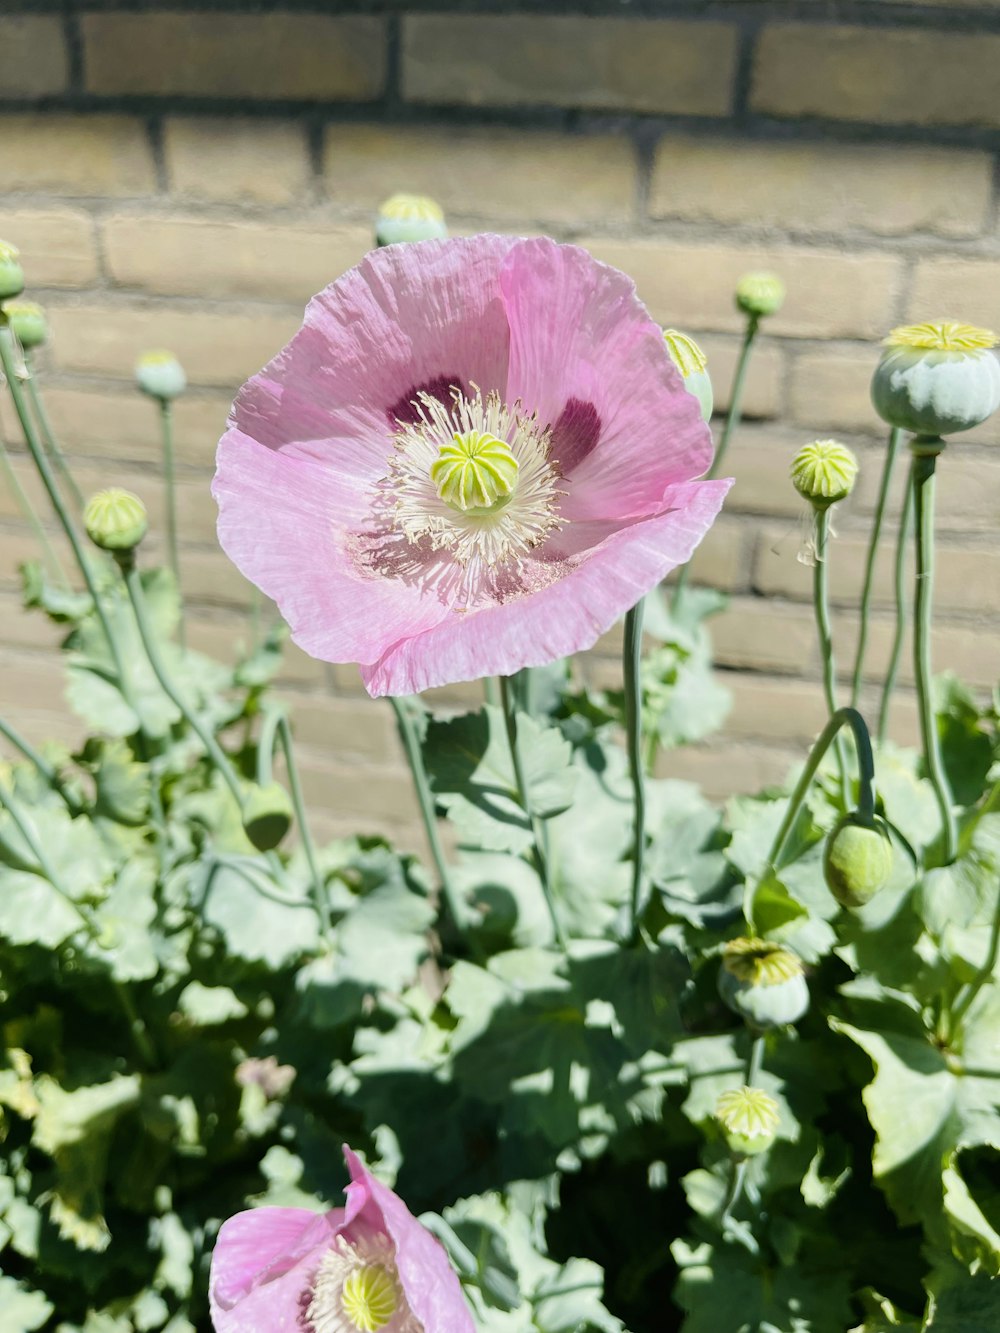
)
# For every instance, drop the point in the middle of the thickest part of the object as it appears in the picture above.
(189, 176)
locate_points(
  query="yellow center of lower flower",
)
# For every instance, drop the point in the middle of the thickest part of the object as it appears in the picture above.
(943, 336)
(476, 471)
(369, 1298)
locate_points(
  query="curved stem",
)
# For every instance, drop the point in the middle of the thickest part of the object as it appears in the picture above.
(415, 759)
(923, 467)
(170, 488)
(821, 604)
(895, 435)
(902, 538)
(631, 665)
(43, 766)
(28, 510)
(524, 798)
(298, 804)
(51, 443)
(735, 1191)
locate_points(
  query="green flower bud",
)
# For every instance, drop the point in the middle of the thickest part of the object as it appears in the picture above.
(750, 1118)
(763, 982)
(160, 375)
(267, 816)
(409, 217)
(760, 294)
(115, 520)
(691, 361)
(28, 323)
(937, 379)
(11, 273)
(824, 472)
(857, 861)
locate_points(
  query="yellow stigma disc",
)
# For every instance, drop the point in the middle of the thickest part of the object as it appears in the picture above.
(944, 335)
(475, 471)
(369, 1298)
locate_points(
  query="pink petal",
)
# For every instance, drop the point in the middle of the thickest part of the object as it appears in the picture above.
(260, 1245)
(586, 355)
(566, 617)
(432, 1288)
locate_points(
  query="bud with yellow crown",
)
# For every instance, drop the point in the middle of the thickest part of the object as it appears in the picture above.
(763, 982)
(115, 520)
(691, 361)
(760, 294)
(409, 217)
(750, 1119)
(11, 273)
(27, 320)
(160, 375)
(824, 472)
(937, 379)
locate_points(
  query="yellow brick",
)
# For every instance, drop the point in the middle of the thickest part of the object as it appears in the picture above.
(217, 349)
(965, 289)
(718, 561)
(33, 58)
(888, 75)
(763, 636)
(209, 579)
(759, 459)
(779, 571)
(238, 161)
(196, 257)
(23, 628)
(831, 390)
(77, 155)
(374, 797)
(301, 57)
(57, 245)
(725, 770)
(498, 176)
(822, 187)
(967, 488)
(227, 637)
(340, 727)
(762, 389)
(970, 651)
(774, 708)
(660, 65)
(690, 285)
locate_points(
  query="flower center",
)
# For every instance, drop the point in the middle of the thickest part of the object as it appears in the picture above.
(942, 336)
(356, 1290)
(369, 1298)
(475, 472)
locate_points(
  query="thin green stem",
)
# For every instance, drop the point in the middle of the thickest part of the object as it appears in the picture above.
(422, 787)
(923, 466)
(170, 492)
(902, 538)
(821, 605)
(631, 667)
(308, 846)
(892, 448)
(48, 435)
(509, 705)
(28, 510)
(266, 740)
(756, 1060)
(735, 1191)
(43, 766)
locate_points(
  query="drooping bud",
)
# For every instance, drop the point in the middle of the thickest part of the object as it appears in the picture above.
(409, 217)
(760, 294)
(750, 1118)
(267, 816)
(27, 320)
(160, 375)
(937, 379)
(476, 472)
(824, 472)
(115, 520)
(857, 860)
(691, 361)
(11, 273)
(763, 982)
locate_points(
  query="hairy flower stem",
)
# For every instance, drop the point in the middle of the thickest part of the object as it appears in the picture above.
(905, 517)
(48, 481)
(48, 435)
(631, 666)
(925, 451)
(895, 435)
(524, 799)
(274, 728)
(43, 766)
(821, 604)
(170, 486)
(422, 787)
(28, 510)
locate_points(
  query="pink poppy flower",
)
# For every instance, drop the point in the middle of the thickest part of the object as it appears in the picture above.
(367, 1268)
(474, 456)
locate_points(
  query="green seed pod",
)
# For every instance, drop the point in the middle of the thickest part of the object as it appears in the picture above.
(937, 379)
(691, 361)
(28, 323)
(160, 375)
(824, 472)
(409, 217)
(750, 1119)
(763, 983)
(11, 273)
(267, 816)
(115, 520)
(857, 861)
(760, 294)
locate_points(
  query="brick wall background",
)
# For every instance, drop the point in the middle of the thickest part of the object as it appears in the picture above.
(188, 176)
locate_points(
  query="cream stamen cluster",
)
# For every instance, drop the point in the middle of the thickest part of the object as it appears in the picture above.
(356, 1290)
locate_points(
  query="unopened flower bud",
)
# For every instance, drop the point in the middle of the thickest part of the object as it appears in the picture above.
(824, 472)
(760, 294)
(27, 320)
(267, 816)
(937, 379)
(691, 361)
(750, 1118)
(11, 273)
(857, 861)
(763, 982)
(409, 217)
(160, 375)
(115, 520)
